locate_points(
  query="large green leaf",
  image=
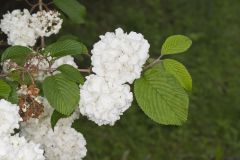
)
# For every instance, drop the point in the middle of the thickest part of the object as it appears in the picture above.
(176, 44)
(65, 47)
(73, 9)
(55, 118)
(5, 89)
(16, 53)
(62, 93)
(71, 73)
(180, 72)
(161, 97)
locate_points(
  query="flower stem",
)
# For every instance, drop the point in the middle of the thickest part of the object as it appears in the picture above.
(153, 63)
(40, 4)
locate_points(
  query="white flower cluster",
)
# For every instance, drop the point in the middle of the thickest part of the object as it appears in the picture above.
(46, 23)
(18, 148)
(117, 59)
(9, 117)
(104, 101)
(119, 56)
(14, 146)
(62, 143)
(23, 29)
(18, 29)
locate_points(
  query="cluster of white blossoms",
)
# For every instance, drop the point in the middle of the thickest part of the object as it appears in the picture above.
(61, 143)
(119, 56)
(46, 23)
(104, 101)
(117, 59)
(23, 29)
(9, 117)
(14, 146)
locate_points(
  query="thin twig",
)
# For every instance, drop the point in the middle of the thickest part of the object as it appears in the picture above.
(41, 4)
(49, 3)
(30, 4)
(85, 70)
(153, 63)
(33, 8)
(45, 6)
(31, 77)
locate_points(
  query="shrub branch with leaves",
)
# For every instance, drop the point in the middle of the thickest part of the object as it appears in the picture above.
(48, 90)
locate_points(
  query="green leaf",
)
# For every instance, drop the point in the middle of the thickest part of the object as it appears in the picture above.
(65, 47)
(21, 77)
(5, 89)
(161, 97)
(55, 118)
(13, 97)
(61, 93)
(180, 72)
(68, 36)
(16, 53)
(73, 9)
(71, 73)
(176, 44)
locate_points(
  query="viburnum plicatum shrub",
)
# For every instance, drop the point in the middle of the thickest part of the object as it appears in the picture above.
(43, 91)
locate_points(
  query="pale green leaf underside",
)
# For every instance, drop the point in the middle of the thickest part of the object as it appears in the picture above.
(62, 93)
(161, 97)
(73, 9)
(176, 44)
(65, 47)
(5, 89)
(180, 72)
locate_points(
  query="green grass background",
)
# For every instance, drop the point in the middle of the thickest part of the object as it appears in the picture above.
(212, 131)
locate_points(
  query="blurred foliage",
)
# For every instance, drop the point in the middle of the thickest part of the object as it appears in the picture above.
(212, 131)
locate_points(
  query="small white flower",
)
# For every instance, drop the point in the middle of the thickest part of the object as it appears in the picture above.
(119, 57)
(103, 101)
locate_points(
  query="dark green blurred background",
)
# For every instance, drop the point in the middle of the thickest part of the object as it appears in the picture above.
(212, 131)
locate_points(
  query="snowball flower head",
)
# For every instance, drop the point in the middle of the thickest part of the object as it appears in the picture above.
(46, 23)
(17, 148)
(9, 117)
(120, 56)
(65, 143)
(103, 101)
(18, 29)
(61, 143)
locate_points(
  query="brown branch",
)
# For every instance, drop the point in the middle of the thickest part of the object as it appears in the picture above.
(41, 4)
(85, 70)
(33, 8)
